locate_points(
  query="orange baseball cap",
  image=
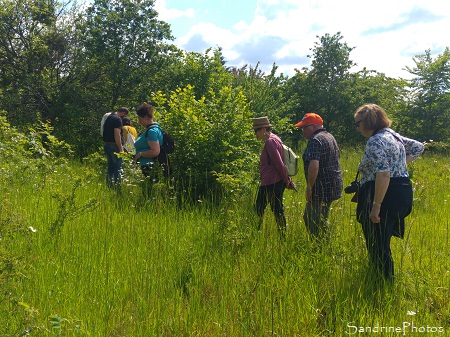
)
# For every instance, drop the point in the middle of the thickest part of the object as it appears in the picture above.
(310, 118)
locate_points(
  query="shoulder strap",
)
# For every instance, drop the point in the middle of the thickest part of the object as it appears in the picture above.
(391, 132)
(151, 126)
(268, 156)
(395, 136)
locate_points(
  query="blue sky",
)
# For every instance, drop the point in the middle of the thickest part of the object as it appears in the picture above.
(386, 33)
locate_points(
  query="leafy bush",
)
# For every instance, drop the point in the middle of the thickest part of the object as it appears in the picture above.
(216, 150)
(437, 147)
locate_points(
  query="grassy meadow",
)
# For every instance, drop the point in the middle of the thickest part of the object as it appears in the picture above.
(78, 259)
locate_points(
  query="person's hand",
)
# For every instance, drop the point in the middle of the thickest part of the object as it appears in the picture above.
(375, 213)
(291, 186)
(136, 157)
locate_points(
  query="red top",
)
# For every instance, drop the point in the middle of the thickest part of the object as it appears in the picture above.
(271, 166)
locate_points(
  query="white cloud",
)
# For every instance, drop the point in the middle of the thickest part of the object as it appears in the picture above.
(167, 14)
(386, 33)
(211, 34)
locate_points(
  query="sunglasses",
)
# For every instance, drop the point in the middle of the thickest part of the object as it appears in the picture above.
(306, 126)
(357, 123)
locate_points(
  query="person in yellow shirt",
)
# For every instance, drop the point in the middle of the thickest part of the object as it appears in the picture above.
(129, 129)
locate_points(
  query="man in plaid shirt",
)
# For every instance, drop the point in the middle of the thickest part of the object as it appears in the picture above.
(324, 182)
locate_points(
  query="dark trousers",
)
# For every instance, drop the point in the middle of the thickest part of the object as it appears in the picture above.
(397, 205)
(316, 218)
(114, 173)
(272, 194)
(378, 242)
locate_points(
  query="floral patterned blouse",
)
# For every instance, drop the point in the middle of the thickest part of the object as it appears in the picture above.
(387, 151)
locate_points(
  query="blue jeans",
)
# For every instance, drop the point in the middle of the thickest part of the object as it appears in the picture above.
(113, 176)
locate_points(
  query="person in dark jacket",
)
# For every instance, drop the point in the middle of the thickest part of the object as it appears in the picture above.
(385, 196)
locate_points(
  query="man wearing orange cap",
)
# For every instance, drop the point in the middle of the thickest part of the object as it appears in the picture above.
(324, 182)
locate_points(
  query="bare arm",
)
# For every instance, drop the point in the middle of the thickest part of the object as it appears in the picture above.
(154, 151)
(409, 159)
(382, 180)
(118, 139)
(313, 171)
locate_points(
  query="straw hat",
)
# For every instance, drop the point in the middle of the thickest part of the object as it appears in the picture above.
(261, 122)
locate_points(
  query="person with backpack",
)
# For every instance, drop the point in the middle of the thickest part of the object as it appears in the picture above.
(148, 144)
(150, 147)
(273, 174)
(111, 129)
(323, 174)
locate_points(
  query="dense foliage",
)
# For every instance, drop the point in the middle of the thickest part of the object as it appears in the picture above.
(65, 65)
(216, 149)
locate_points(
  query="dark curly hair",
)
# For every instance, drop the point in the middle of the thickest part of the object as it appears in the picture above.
(145, 110)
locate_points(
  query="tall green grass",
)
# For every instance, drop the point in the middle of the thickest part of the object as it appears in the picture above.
(78, 259)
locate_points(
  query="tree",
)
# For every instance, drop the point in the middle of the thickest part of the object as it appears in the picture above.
(266, 96)
(430, 96)
(203, 71)
(329, 77)
(125, 46)
(122, 48)
(369, 86)
(331, 90)
(36, 46)
(324, 88)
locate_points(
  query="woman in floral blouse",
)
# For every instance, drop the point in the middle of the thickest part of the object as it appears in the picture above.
(386, 195)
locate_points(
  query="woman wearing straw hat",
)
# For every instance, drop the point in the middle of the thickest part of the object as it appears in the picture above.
(273, 174)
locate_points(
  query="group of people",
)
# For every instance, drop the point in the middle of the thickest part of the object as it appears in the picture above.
(385, 193)
(147, 145)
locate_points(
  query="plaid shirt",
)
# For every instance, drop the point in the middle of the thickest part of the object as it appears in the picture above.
(329, 183)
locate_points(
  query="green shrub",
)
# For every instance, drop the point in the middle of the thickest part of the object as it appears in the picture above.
(437, 147)
(216, 151)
